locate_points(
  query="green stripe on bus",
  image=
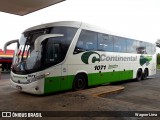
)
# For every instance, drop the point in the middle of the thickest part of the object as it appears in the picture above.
(101, 78)
(53, 84)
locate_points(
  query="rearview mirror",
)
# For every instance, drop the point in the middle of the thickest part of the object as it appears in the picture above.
(41, 38)
(10, 42)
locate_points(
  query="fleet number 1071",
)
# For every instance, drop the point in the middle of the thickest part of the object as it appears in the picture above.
(100, 67)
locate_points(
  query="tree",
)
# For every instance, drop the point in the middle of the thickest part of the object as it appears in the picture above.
(158, 58)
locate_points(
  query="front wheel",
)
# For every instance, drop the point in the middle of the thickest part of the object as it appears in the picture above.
(79, 82)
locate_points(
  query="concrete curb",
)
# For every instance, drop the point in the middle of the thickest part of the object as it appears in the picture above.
(101, 90)
(114, 89)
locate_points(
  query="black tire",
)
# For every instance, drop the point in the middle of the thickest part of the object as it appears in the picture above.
(139, 75)
(79, 82)
(145, 74)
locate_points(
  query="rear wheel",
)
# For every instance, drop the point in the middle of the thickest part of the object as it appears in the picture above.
(79, 82)
(145, 74)
(139, 75)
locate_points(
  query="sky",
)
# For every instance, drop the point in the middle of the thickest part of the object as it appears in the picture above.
(137, 19)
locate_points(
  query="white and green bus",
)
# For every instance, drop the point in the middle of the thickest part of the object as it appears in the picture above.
(74, 55)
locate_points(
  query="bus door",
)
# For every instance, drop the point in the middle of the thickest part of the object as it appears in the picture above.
(66, 82)
(52, 63)
(57, 79)
(55, 55)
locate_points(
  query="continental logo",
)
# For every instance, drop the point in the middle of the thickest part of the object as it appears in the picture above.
(145, 60)
(90, 57)
(94, 57)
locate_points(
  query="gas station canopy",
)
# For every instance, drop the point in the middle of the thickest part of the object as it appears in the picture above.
(23, 7)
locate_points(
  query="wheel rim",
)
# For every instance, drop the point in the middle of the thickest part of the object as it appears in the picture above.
(139, 75)
(79, 83)
(145, 73)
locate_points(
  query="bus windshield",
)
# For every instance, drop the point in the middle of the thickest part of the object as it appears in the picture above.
(53, 50)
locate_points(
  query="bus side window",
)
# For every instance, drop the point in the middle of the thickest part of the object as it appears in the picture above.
(153, 51)
(87, 41)
(120, 44)
(141, 47)
(105, 42)
(131, 46)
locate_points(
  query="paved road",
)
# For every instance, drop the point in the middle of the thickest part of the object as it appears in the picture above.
(137, 96)
(143, 93)
(5, 75)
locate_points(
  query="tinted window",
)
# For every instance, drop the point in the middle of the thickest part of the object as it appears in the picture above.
(153, 49)
(120, 44)
(87, 41)
(55, 48)
(131, 46)
(148, 48)
(141, 47)
(105, 42)
(67, 32)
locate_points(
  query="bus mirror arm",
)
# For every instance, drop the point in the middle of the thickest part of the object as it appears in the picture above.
(41, 38)
(10, 42)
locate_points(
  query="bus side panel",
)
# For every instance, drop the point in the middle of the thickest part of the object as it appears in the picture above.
(58, 80)
(52, 82)
(107, 77)
(97, 77)
(129, 70)
(126, 75)
(153, 65)
(67, 82)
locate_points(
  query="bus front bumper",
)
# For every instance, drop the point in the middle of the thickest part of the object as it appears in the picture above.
(33, 88)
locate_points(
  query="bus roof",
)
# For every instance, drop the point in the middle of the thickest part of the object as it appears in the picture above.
(61, 23)
(77, 24)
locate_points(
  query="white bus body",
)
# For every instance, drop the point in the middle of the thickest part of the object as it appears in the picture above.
(73, 55)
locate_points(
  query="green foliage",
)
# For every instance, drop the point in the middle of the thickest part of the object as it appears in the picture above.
(158, 58)
(158, 66)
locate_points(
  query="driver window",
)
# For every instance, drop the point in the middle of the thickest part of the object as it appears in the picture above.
(52, 54)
